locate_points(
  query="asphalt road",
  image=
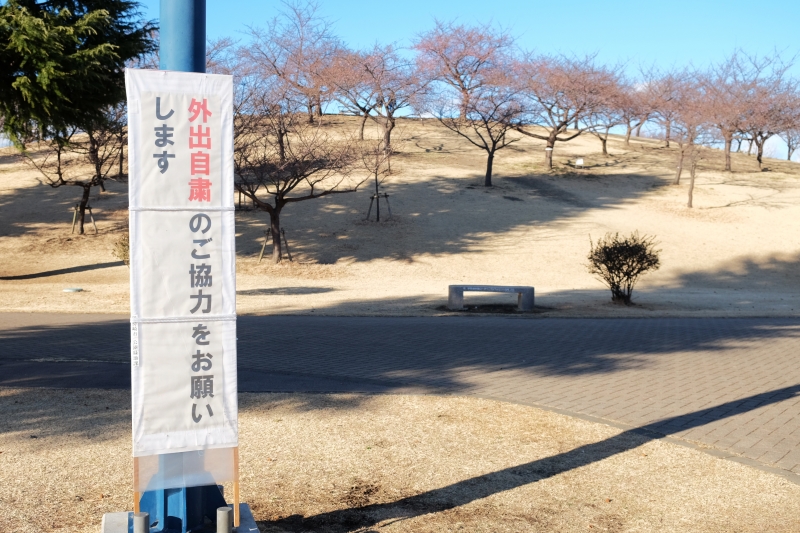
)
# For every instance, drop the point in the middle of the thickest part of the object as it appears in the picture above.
(729, 384)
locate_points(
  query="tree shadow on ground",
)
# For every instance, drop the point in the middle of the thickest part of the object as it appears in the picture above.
(27, 209)
(60, 271)
(40, 413)
(751, 273)
(283, 291)
(472, 489)
(458, 215)
(396, 354)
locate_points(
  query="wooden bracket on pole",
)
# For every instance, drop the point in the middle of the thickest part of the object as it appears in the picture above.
(136, 494)
(236, 487)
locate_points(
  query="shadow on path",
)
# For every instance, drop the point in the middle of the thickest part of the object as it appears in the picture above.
(469, 490)
(60, 271)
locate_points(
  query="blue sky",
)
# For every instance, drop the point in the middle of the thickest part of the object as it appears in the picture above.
(673, 32)
(641, 32)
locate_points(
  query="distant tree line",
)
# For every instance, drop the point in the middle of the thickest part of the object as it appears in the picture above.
(63, 64)
(476, 81)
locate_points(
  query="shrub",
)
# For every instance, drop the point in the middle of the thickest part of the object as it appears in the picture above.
(619, 262)
(122, 249)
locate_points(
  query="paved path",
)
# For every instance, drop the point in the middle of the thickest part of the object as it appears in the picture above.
(730, 384)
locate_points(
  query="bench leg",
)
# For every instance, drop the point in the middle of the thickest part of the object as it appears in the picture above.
(455, 299)
(525, 301)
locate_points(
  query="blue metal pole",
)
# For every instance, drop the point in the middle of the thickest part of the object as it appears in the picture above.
(182, 47)
(183, 35)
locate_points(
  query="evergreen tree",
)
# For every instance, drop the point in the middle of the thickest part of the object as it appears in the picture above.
(62, 79)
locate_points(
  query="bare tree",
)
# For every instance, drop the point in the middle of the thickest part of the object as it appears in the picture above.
(297, 46)
(791, 132)
(280, 159)
(660, 92)
(378, 83)
(376, 160)
(559, 91)
(462, 56)
(607, 115)
(492, 113)
(725, 87)
(792, 139)
(633, 107)
(691, 126)
(82, 158)
(352, 88)
(769, 112)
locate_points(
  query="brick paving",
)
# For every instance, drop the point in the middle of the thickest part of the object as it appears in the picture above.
(730, 384)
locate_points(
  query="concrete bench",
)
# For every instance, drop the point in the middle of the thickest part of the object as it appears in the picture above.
(455, 297)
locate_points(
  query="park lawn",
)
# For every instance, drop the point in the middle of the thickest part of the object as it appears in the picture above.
(733, 254)
(332, 463)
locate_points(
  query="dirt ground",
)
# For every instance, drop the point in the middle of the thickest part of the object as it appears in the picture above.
(336, 463)
(734, 254)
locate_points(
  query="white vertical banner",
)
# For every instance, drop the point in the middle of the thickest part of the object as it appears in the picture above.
(182, 262)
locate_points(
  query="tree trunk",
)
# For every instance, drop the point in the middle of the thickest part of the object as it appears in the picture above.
(87, 189)
(319, 106)
(487, 180)
(548, 151)
(679, 169)
(668, 133)
(310, 107)
(692, 172)
(275, 229)
(639, 129)
(121, 158)
(628, 132)
(604, 140)
(363, 124)
(281, 145)
(728, 145)
(462, 111)
(791, 149)
(759, 152)
(388, 126)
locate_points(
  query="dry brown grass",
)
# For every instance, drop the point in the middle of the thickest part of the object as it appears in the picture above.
(734, 254)
(336, 463)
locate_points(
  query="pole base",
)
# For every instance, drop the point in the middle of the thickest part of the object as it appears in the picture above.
(123, 522)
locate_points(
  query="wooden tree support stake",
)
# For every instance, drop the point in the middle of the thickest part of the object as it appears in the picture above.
(288, 253)
(377, 198)
(267, 235)
(74, 217)
(91, 217)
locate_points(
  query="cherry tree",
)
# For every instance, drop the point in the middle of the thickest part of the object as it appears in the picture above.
(660, 91)
(378, 84)
(559, 91)
(462, 57)
(691, 127)
(634, 108)
(491, 114)
(279, 157)
(770, 103)
(297, 46)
